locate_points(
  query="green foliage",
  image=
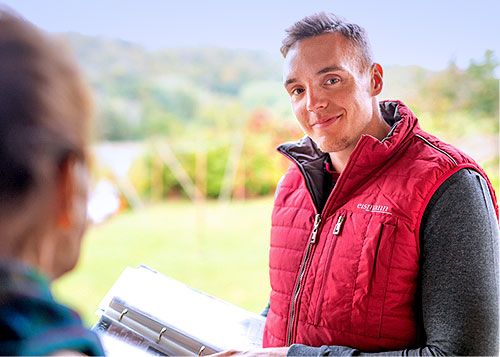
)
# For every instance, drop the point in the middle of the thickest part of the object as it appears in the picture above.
(483, 88)
(492, 168)
(200, 99)
(258, 169)
(152, 179)
(471, 94)
(262, 164)
(216, 168)
(141, 93)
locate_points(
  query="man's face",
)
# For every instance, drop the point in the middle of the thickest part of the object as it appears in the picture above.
(332, 95)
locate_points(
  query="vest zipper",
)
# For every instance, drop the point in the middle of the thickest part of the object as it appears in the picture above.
(337, 230)
(314, 233)
(338, 225)
(312, 241)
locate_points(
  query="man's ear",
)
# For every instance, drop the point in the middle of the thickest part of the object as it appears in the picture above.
(377, 82)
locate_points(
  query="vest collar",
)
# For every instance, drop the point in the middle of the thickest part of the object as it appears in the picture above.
(311, 160)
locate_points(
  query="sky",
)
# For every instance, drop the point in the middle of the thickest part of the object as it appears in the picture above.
(426, 33)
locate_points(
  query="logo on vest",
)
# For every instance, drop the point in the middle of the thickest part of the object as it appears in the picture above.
(373, 208)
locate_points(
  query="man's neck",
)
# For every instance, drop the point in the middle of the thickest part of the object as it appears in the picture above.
(339, 159)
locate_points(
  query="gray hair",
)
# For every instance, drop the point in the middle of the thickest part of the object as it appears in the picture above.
(45, 106)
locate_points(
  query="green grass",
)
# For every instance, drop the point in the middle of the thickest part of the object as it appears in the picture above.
(222, 250)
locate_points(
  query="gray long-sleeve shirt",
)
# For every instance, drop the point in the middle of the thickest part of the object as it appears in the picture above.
(458, 291)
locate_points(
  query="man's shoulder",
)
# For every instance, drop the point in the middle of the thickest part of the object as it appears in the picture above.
(427, 152)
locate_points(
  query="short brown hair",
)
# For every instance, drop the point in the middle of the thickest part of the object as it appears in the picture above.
(320, 23)
(45, 106)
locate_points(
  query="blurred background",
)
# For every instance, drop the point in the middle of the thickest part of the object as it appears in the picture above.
(190, 107)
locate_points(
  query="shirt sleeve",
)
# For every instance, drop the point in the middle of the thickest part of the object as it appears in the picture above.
(458, 294)
(265, 311)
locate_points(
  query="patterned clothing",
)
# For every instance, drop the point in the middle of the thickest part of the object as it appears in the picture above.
(32, 322)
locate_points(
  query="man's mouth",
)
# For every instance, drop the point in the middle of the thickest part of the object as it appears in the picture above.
(324, 122)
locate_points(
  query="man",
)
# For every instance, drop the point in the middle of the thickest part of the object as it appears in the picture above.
(45, 115)
(384, 238)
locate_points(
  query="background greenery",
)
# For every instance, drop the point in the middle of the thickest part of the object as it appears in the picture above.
(199, 99)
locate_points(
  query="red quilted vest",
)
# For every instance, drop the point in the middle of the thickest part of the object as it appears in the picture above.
(347, 275)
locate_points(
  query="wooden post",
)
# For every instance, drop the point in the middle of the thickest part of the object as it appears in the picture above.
(168, 157)
(231, 168)
(200, 193)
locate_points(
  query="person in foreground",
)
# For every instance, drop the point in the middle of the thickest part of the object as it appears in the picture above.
(384, 238)
(44, 118)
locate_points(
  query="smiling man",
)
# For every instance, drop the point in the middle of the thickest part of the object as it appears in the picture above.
(384, 238)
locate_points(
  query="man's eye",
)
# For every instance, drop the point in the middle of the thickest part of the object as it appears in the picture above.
(332, 81)
(296, 91)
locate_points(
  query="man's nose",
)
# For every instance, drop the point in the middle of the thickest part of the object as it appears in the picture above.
(315, 101)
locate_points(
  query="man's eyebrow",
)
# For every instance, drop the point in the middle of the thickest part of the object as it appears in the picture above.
(321, 71)
(289, 81)
(330, 69)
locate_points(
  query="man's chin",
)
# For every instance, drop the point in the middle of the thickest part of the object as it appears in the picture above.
(331, 147)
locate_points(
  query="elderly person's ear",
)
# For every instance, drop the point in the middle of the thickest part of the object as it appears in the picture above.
(72, 193)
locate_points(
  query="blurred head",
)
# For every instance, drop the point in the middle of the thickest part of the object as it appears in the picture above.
(332, 81)
(45, 112)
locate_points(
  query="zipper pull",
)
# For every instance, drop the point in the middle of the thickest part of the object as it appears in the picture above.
(317, 221)
(338, 226)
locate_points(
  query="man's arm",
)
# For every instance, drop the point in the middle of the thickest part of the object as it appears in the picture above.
(459, 274)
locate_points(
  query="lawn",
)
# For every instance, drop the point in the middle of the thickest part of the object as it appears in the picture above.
(219, 249)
